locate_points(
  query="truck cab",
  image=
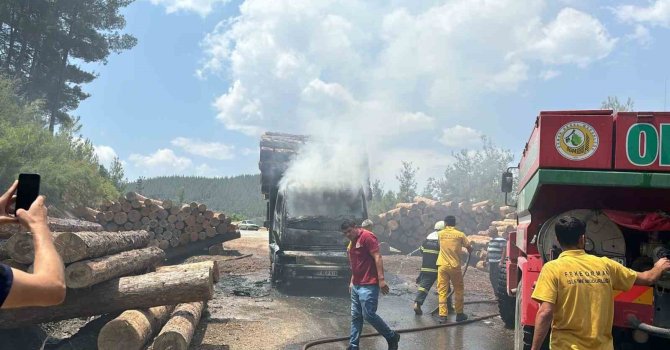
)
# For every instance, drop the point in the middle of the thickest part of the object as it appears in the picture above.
(303, 220)
(305, 240)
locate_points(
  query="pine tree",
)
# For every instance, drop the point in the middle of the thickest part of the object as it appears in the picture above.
(407, 179)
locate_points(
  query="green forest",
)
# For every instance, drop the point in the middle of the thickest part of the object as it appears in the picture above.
(42, 46)
(238, 195)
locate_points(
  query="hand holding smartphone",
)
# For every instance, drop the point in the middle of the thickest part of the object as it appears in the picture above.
(29, 189)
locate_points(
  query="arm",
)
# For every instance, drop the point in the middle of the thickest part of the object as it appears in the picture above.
(46, 285)
(380, 272)
(542, 324)
(650, 277)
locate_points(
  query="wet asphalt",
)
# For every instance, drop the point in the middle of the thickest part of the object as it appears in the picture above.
(331, 311)
(327, 308)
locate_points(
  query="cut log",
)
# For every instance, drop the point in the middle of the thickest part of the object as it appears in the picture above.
(120, 218)
(15, 264)
(21, 249)
(209, 264)
(167, 204)
(133, 328)
(55, 225)
(125, 293)
(429, 202)
(392, 225)
(134, 216)
(89, 272)
(178, 331)
(86, 337)
(83, 245)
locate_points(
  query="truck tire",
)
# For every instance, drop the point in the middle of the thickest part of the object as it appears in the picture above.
(523, 334)
(494, 252)
(506, 303)
(275, 275)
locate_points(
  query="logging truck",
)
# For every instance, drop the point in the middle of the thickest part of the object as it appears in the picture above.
(303, 223)
(611, 170)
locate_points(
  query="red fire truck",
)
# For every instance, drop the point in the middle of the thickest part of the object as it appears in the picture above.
(612, 170)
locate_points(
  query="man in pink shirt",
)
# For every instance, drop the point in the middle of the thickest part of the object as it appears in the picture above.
(367, 279)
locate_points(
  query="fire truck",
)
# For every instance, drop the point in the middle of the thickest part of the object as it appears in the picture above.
(612, 170)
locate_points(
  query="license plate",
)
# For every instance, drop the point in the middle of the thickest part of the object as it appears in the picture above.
(327, 273)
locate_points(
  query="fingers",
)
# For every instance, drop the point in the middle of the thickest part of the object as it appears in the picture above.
(20, 212)
(10, 191)
(7, 220)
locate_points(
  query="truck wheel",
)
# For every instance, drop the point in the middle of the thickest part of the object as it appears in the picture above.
(523, 334)
(493, 256)
(505, 302)
(274, 271)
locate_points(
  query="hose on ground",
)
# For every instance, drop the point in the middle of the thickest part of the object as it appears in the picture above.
(405, 330)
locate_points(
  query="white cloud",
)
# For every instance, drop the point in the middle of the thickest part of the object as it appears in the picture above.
(640, 35)
(574, 37)
(162, 162)
(294, 62)
(460, 137)
(214, 150)
(657, 13)
(549, 74)
(201, 7)
(105, 154)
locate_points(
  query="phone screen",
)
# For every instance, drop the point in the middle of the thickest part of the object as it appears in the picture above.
(29, 189)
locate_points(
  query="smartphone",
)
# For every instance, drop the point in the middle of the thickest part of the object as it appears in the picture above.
(29, 189)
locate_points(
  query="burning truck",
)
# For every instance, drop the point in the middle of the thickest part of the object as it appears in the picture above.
(304, 212)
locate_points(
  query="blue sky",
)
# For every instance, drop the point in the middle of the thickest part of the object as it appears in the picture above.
(407, 80)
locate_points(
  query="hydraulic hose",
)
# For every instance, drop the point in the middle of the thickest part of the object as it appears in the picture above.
(657, 331)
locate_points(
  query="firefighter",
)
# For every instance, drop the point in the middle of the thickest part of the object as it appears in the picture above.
(452, 242)
(430, 249)
(576, 292)
(367, 224)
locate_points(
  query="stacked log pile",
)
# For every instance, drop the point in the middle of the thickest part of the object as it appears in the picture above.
(109, 272)
(169, 225)
(406, 226)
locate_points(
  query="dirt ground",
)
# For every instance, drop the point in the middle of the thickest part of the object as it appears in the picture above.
(246, 313)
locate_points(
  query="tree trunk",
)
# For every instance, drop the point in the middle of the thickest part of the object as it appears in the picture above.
(210, 264)
(133, 328)
(125, 293)
(21, 249)
(89, 272)
(178, 331)
(87, 336)
(83, 245)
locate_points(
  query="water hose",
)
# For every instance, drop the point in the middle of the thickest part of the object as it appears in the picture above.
(405, 330)
(417, 329)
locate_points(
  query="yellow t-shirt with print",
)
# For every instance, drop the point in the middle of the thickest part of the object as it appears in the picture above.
(452, 242)
(581, 288)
